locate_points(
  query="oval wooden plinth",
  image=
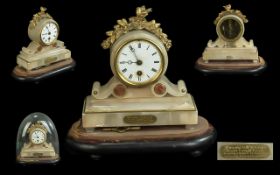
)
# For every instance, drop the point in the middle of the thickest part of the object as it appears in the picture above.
(193, 139)
(38, 160)
(21, 74)
(231, 67)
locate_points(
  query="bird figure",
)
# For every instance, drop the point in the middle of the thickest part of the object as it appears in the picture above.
(227, 7)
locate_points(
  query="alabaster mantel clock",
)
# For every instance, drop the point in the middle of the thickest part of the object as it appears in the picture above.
(46, 55)
(139, 109)
(37, 140)
(231, 52)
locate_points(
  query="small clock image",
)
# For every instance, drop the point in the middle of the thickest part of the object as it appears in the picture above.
(231, 52)
(45, 56)
(37, 140)
(43, 28)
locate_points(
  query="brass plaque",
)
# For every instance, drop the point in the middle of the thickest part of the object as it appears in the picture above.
(50, 60)
(38, 154)
(245, 151)
(140, 119)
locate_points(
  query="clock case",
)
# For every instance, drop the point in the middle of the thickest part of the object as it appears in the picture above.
(29, 153)
(121, 118)
(234, 55)
(40, 60)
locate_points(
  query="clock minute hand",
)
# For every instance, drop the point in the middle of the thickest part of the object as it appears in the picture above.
(48, 29)
(133, 51)
(137, 59)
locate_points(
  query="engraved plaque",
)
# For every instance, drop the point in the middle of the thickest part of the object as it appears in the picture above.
(140, 119)
(245, 151)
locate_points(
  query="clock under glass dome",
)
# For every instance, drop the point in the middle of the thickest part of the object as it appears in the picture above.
(37, 140)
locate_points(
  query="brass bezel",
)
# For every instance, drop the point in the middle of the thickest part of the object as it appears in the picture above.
(153, 79)
(233, 17)
(135, 36)
(36, 129)
(43, 25)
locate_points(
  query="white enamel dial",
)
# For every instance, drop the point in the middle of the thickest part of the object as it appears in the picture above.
(37, 137)
(49, 33)
(139, 62)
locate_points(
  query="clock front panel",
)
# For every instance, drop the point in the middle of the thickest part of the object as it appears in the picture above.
(37, 137)
(139, 62)
(49, 33)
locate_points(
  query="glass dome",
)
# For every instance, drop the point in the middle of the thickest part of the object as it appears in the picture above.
(37, 140)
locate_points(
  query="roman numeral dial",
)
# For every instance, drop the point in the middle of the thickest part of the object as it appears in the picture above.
(37, 137)
(139, 62)
(49, 33)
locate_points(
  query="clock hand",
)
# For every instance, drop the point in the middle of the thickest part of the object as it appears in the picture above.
(138, 61)
(128, 62)
(133, 51)
(48, 29)
(135, 55)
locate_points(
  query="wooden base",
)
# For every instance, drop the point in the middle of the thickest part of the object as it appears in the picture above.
(43, 160)
(193, 139)
(232, 67)
(21, 74)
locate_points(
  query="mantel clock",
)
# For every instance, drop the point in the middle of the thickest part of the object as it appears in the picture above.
(46, 55)
(139, 108)
(231, 52)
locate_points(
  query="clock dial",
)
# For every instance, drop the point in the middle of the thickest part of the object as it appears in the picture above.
(37, 137)
(139, 62)
(49, 33)
(230, 29)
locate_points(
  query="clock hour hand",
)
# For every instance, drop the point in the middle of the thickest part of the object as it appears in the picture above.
(128, 62)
